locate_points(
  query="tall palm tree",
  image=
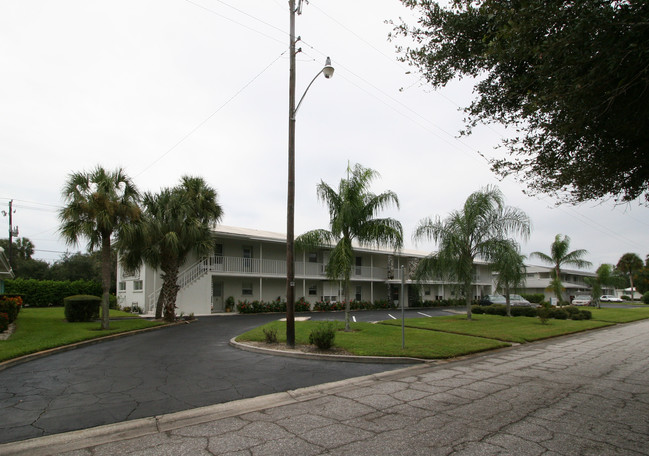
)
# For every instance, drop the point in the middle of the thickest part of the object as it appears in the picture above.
(98, 204)
(604, 277)
(477, 230)
(560, 256)
(508, 262)
(353, 213)
(174, 223)
(630, 263)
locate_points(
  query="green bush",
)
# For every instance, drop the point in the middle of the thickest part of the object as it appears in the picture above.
(535, 298)
(4, 322)
(323, 336)
(478, 310)
(45, 293)
(270, 335)
(625, 298)
(10, 305)
(520, 311)
(544, 313)
(645, 298)
(559, 314)
(82, 308)
(495, 309)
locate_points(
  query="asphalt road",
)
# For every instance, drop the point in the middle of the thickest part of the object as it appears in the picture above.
(159, 372)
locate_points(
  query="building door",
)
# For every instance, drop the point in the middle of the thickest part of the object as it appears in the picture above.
(247, 258)
(217, 295)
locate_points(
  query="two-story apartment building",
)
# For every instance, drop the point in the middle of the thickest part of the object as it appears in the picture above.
(539, 277)
(251, 265)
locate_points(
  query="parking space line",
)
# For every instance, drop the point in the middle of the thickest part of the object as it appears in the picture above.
(394, 318)
(425, 315)
(354, 318)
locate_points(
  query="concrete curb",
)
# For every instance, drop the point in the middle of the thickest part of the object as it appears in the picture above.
(339, 358)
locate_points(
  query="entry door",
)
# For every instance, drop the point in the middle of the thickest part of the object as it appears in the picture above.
(217, 295)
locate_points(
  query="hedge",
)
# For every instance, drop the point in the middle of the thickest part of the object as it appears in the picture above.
(270, 306)
(82, 308)
(45, 293)
(559, 313)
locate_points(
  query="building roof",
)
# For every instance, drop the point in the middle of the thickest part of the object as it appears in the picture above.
(534, 268)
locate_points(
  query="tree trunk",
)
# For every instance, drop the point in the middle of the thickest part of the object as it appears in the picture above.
(158, 305)
(508, 304)
(170, 289)
(632, 288)
(467, 297)
(347, 306)
(105, 280)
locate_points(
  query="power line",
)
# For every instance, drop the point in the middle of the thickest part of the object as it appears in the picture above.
(193, 130)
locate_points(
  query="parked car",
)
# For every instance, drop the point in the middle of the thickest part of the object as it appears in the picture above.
(488, 300)
(518, 300)
(609, 298)
(582, 300)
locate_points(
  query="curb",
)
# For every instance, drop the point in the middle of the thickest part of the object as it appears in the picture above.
(339, 358)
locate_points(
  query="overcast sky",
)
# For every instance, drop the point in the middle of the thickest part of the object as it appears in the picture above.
(168, 88)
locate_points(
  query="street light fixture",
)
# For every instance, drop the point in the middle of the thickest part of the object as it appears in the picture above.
(328, 72)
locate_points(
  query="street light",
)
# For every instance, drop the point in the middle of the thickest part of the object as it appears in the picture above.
(328, 72)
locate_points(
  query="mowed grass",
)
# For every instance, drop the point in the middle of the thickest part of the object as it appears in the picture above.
(367, 339)
(39, 329)
(511, 329)
(620, 314)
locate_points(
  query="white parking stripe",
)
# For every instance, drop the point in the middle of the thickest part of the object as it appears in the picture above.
(354, 318)
(425, 315)
(394, 318)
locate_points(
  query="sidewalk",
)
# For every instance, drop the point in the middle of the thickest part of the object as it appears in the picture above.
(582, 394)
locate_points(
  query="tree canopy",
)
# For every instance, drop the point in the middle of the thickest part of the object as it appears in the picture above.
(572, 78)
(353, 211)
(481, 229)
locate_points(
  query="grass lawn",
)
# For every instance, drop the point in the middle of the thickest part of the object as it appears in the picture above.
(512, 329)
(369, 339)
(620, 314)
(39, 329)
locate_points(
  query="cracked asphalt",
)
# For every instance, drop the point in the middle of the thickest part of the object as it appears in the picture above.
(586, 394)
(158, 372)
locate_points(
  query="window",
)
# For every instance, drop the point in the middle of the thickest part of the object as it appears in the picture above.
(359, 264)
(246, 288)
(218, 249)
(313, 257)
(137, 285)
(313, 290)
(247, 255)
(427, 291)
(122, 286)
(359, 294)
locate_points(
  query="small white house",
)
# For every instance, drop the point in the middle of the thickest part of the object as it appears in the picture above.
(251, 265)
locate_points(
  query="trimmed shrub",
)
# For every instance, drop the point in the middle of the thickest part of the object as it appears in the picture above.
(544, 313)
(45, 293)
(535, 298)
(82, 308)
(625, 298)
(10, 305)
(323, 336)
(520, 311)
(4, 322)
(558, 314)
(478, 310)
(495, 309)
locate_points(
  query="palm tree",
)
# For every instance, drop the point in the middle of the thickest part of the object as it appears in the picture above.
(174, 223)
(560, 256)
(352, 216)
(98, 204)
(630, 263)
(508, 262)
(604, 277)
(477, 230)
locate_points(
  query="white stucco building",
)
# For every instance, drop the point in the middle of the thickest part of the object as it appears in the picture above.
(251, 265)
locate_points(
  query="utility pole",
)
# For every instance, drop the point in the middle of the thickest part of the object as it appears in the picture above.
(290, 205)
(11, 232)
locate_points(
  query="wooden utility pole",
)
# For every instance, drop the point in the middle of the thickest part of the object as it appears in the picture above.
(290, 206)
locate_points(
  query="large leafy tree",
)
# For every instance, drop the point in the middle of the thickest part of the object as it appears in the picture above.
(630, 264)
(353, 211)
(560, 255)
(509, 263)
(478, 230)
(98, 204)
(571, 77)
(174, 223)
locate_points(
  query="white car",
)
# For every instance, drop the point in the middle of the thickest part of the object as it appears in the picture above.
(609, 298)
(582, 300)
